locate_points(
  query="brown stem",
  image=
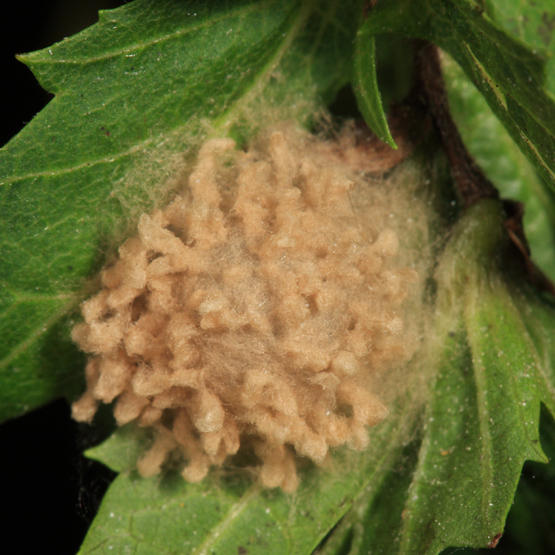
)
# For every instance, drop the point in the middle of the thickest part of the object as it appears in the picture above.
(470, 181)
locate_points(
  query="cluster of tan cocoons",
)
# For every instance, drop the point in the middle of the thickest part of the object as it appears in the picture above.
(249, 313)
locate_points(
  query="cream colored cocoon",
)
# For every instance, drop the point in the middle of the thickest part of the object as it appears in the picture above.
(251, 311)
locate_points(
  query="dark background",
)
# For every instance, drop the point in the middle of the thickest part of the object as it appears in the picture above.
(49, 491)
(27, 26)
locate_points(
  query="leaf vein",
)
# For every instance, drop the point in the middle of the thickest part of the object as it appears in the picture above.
(480, 381)
(238, 12)
(36, 333)
(233, 513)
(221, 122)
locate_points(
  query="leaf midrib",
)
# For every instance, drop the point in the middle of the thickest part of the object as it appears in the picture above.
(470, 304)
(502, 104)
(232, 514)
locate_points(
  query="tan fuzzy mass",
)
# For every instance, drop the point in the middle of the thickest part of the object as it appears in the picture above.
(252, 309)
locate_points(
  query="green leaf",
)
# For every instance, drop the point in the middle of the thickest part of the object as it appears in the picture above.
(482, 422)
(133, 92)
(365, 84)
(532, 509)
(39, 360)
(510, 76)
(122, 449)
(503, 163)
(532, 23)
(223, 514)
(454, 486)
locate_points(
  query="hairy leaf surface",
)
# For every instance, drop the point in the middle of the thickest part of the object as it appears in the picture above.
(147, 78)
(365, 83)
(455, 484)
(509, 75)
(532, 23)
(226, 513)
(503, 162)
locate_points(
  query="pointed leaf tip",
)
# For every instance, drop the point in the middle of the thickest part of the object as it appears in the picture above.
(365, 85)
